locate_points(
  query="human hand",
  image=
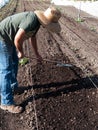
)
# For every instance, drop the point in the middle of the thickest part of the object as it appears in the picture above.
(39, 58)
(20, 55)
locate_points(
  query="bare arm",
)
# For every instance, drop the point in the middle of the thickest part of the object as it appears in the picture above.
(33, 42)
(18, 41)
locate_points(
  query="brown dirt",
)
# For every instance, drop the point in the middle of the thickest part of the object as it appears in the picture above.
(53, 97)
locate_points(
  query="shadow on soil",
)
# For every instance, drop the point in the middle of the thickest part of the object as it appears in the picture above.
(60, 87)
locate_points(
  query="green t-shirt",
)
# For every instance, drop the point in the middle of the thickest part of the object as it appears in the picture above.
(10, 25)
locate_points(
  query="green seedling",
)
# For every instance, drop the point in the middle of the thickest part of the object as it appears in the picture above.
(79, 20)
(93, 29)
(23, 61)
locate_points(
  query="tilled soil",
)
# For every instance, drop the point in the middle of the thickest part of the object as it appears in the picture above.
(58, 97)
